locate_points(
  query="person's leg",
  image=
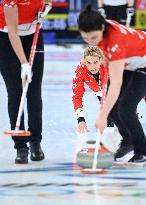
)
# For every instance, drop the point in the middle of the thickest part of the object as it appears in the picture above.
(110, 123)
(125, 146)
(127, 75)
(11, 72)
(110, 12)
(34, 101)
(127, 108)
(117, 13)
(121, 14)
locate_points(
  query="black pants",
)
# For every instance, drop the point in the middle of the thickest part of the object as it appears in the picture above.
(11, 73)
(124, 113)
(117, 13)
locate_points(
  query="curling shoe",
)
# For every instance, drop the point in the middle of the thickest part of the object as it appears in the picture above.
(124, 152)
(138, 158)
(36, 152)
(22, 156)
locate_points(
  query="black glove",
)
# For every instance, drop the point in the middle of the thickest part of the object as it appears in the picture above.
(81, 119)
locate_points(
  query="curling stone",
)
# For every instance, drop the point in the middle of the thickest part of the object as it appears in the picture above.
(105, 159)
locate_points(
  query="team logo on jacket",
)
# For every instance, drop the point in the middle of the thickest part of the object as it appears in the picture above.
(9, 3)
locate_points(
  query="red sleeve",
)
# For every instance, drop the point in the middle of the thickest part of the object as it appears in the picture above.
(9, 3)
(78, 87)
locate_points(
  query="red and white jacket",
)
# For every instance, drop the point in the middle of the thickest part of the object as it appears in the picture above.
(82, 76)
(125, 43)
(27, 11)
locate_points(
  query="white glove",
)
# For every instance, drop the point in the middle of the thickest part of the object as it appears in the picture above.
(130, 11)
(42, 14)
(26, 73)
(102, 12)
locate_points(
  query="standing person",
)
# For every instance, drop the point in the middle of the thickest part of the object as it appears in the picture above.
(91, 72)
(116, 9)
(17, 27)
(125, 50)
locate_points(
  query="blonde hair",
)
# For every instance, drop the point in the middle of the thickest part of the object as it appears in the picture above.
(96, 52)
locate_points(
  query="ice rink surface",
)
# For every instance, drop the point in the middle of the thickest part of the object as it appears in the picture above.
(56, 180)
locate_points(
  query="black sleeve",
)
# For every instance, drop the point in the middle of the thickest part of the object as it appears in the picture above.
(81, 119)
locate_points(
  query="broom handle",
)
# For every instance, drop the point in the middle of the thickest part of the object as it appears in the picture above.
(98, 136)
(94, 165)
(25, 88)
(46, 9)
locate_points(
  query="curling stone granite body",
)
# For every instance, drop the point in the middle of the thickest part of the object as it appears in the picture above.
(105, 159)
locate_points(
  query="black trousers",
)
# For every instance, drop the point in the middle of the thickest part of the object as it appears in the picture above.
(124, 113)
(11, 73)
(117, 13)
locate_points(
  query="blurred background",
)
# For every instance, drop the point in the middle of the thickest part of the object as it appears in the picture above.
(60, 27)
